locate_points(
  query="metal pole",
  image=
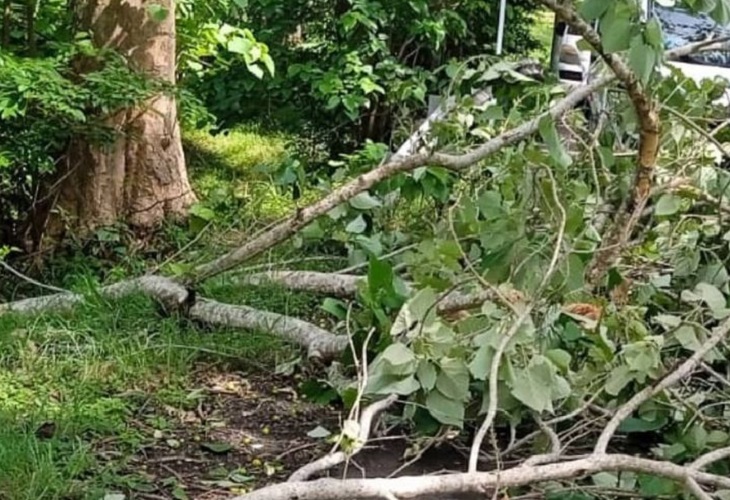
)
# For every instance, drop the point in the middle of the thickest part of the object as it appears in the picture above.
(500, 28)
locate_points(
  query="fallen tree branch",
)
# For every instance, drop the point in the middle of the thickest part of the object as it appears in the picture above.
(710, 458)
(479, 483)
(319, 343)
(163, 289)
(345, 286)
(336, 458)
(303, 217)
(629, 214)
(694, 488)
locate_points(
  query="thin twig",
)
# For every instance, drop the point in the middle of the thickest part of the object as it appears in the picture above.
(697, 490)
(521, 318)
(334, 459)
(649, 392)
(30, 280)
(710, 458)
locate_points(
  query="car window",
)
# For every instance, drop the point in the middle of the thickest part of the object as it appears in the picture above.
(681, 27)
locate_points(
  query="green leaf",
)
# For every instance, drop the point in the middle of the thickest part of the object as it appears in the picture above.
(357, 225)
(655, 486)
(426, 374)
(269, 63)
(593, 9)
(490, 205)
(633, 424)
(537, 385)
(332, 102)
(616, 27)
(368, 86)
(398, 355)
(481, 365)
(338, 212)
(560, 358)
(217, 447)
(255, 70)
(642, 58)
(607, 157)
(697, 437)
(179, 494)
(687, 337)
(668, 204)
(653, 34)
(417, 312)
(668, 321)
(717, 438)
(336, 308)
(364, 201)
(319, 432)
(710, 295)
(380, 278)
(386, 384)
(202, 212)
(531, 391)
(713, 297)
(239, 45)
(372, 244)
(643, 356)
(453, 380)
(721, 12)
(605, 480)
(445, 410)
(549, 134)
(620, 377)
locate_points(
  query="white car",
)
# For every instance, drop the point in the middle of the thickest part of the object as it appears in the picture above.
(679, 27)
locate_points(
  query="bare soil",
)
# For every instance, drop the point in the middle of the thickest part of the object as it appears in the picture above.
(248, 431)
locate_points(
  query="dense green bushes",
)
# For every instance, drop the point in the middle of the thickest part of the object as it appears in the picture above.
(43, 106)
(350, 67)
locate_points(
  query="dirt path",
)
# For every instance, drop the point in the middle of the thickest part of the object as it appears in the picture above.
(248, 431)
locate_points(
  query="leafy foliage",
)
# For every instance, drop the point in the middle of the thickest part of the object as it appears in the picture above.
(43, 106)
(353, 65)
(523, 225)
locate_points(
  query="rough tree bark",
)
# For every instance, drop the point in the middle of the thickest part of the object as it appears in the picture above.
(141, 178)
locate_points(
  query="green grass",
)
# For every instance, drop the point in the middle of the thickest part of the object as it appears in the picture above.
(90, 371)
(237, 166)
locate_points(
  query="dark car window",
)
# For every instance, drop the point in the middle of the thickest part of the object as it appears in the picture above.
(681, 27)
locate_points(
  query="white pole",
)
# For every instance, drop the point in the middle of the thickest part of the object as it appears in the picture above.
(500, 28)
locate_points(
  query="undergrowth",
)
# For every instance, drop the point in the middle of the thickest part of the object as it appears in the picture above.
(73, 384)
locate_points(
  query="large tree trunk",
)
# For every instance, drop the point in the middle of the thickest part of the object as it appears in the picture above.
(141, 178)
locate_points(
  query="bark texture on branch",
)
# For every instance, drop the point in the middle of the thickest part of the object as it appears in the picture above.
(344, 286)
(173, 296)
(319, 342)
(482, 483)
(629, 214)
